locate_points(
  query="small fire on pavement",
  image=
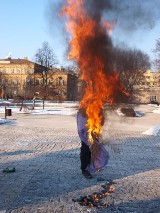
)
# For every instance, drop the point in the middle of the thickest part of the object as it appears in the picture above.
(96, 199)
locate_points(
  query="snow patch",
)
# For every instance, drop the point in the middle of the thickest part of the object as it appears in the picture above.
(157, 110)
(153, 131)
(3, 121)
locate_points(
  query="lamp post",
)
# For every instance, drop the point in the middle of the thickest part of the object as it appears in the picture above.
(44, 84)
(3, 88)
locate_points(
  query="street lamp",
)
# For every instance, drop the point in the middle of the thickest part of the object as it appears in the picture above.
(44, 84)
(2, 86)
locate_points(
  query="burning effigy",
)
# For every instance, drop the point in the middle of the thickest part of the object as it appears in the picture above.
(91, 47)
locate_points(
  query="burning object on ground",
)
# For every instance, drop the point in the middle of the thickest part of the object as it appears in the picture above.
(96, 199)
(126, 111)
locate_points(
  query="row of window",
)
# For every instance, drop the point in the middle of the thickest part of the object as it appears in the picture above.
(15, 71)
(150, 83)
(13, 92)
(152, 77)
(15, 82)
(30, 81)
(27, 91)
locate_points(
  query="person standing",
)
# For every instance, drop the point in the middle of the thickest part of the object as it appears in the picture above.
(92, 157)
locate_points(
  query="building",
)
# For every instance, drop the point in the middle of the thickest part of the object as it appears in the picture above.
(25, 79)
(149, 89)
(146, 92)
(56, 84)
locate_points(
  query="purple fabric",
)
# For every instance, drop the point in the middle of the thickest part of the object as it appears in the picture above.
(101, 160)
(82, 129)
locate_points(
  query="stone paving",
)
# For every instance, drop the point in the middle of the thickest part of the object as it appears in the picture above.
(44, 149)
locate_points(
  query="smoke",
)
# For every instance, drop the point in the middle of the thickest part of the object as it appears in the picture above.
(129, 15)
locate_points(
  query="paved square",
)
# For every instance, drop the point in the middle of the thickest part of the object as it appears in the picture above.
(44, 149)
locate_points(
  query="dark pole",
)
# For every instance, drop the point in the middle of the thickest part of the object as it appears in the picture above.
(43, 103)
(34, 102)
(5, 115)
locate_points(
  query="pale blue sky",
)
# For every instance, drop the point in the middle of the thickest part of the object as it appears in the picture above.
(25, 26)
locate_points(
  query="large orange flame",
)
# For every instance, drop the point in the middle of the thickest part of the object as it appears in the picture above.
(88, 44)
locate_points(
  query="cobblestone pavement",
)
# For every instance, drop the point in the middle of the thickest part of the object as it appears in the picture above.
(44, 149)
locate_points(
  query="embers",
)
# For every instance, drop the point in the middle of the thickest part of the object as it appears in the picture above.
(96, 199)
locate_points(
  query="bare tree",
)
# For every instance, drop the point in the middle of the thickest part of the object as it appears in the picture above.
(131, 65)
(47, 58)
(157, 54)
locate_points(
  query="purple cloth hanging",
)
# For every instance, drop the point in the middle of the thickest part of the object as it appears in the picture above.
(100, 160)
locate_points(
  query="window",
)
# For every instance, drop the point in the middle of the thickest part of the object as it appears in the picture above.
(36, 81)
(59, 92)
(18, 82)
(153, 98)
(12, 81)
(5, 82)
(27, 91)
(60, 81)
(26, 71)
(49, 82)
(28, 81)
(12, 70)
(18, 71)
(5, 70)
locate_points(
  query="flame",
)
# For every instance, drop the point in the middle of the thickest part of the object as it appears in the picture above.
(109, 26)
(89, 45)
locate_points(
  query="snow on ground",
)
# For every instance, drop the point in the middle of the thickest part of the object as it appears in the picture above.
(62, 111)
(157, 110)
(155, 130)
(119, 112)
(2, 121)
(46, 110)
(70, 108)
(50, 107)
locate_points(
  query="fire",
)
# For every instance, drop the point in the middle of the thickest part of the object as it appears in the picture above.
(90, 46)
(109, 26)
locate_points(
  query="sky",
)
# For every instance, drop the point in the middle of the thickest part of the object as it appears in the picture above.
(26, 24)
(24, 27)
